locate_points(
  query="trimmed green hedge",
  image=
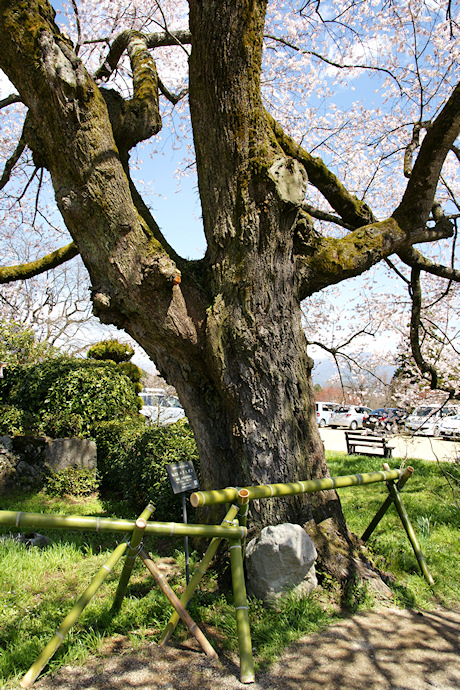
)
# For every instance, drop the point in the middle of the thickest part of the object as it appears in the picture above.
(132, 462)
(69, 395)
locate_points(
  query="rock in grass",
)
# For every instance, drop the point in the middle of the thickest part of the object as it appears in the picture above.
(281, 559)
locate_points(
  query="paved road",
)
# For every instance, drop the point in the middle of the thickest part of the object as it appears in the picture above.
(425, 448)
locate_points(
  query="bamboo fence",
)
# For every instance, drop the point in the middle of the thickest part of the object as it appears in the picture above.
(230, 494)
(233, 528)
(19, 520)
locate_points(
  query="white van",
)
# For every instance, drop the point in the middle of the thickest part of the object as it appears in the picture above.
(426, 420)
(324, 411)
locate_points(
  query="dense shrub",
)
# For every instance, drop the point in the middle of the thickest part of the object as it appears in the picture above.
(15, 421)
(115, 440)
(70, 395)
(62, 424)
(73, 481)
(133, 463)
(19, 345)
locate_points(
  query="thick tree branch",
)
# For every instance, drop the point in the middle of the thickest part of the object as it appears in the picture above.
(415, 324)
(144, 104)
(9, 100)
(11, 162)
(120, 44)
(332, 260)
(9, 274)
(413, 212)
(352, 211)
(415, 259)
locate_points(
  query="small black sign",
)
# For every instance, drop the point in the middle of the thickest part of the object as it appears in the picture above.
(182, 477)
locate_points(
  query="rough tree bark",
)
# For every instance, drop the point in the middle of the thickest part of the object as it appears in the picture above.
(225, 331)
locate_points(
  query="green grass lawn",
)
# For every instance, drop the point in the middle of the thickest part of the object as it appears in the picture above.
(39, 587)
(432, 500)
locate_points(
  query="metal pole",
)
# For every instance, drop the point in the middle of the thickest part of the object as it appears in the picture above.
(187, 565)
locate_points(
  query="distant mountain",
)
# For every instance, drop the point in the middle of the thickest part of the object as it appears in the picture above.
(325, 369)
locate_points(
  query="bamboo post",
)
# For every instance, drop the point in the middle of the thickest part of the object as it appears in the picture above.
(136, 539)
(241, 609)
(230, 494)
(39, 521)
(408, 472)
(195, 579)
(185, 616)
(402, 512)
(72, 617)
(243, 503)
(131, 555)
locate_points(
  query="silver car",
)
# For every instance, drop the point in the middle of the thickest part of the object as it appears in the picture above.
(163, 410)
(349, 415)
(427, 420)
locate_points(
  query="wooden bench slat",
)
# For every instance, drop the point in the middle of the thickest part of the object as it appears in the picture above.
(356, 440)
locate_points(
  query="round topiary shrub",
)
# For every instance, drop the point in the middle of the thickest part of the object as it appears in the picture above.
(111, 350)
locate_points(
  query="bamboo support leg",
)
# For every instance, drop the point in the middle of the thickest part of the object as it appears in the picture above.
(72, 617)
(408, 472)
(185, 616)
(136, 539)
(402, 512)
(241, 609)
(196, 578)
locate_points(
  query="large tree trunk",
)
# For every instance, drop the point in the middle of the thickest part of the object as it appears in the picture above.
(226, 332)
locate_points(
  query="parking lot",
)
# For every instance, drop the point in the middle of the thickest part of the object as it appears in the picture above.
(425, 448)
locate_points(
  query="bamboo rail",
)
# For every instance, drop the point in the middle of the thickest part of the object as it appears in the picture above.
(232, 529)
(133, 550)
(402, 512)
(95, 524)
(230, 494)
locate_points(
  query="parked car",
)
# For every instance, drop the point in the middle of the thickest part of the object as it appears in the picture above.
(426, 420)
(163, 410)
(324, 411)
(385, 419)
(450, 427)
(349, 415)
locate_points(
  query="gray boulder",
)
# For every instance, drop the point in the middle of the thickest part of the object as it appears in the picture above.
(281, 559)
(71, 452)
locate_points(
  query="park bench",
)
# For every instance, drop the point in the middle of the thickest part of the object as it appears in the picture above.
(368, 444)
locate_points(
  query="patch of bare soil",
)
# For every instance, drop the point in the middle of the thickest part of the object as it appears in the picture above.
(384, 649)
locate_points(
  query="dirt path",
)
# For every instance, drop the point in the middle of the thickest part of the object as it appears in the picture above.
(383, 649)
